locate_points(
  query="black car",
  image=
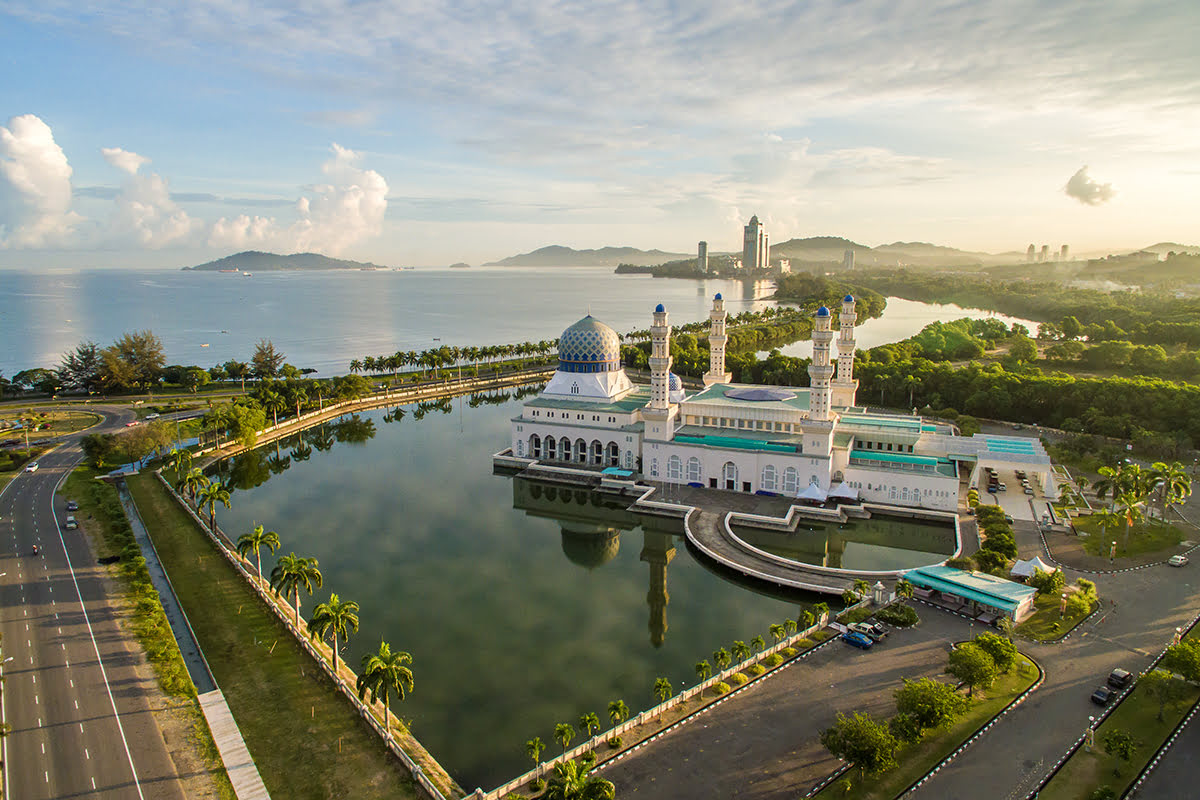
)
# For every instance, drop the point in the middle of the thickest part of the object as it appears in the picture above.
(1102, 695)
(1120, 678)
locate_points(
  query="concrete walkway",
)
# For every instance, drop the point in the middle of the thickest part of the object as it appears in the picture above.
(243, 774)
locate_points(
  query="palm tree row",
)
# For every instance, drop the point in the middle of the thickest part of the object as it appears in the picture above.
(1131, 487)
(450, 356)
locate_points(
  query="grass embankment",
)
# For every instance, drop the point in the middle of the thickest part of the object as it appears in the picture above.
(1144, 537)
(1046, 623)
(1138, 714)
(104, 520)
(914, 760)
(268, 680)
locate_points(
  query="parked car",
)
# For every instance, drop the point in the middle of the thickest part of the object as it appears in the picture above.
(133, 424)
(152, 416)
(72, 505)
(1178, 561)
(1003, 487)
(859, 640)
(1120, 678)
(71, 524)
(32, 466)
(1102, 695)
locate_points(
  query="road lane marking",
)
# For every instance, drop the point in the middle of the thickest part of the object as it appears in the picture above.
(93, 783)
(76, 705)
(85, 751)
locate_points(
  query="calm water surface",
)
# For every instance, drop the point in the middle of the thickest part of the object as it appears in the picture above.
(523, 605)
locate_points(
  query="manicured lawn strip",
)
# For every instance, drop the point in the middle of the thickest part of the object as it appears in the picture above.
(1041, 625)
(1137, 714)
(306, 740)
(104, 520)
(1145, 537)
(914, 760)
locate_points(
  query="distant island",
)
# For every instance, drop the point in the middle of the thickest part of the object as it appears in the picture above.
(460, 265)
(559, 256)
(257, 261)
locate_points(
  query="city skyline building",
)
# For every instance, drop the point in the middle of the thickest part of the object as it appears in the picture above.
(702, 256)
(756, 248)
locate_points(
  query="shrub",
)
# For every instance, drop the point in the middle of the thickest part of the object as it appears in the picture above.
(756, 669)
(588, 759)
(900, 615)
(803, 643)
(737, 679)
(788, 652)
(961, 562)
(905, 728)
(773, 660)
(536, 784)
(1047, 583)
(720, 687)
(614, 742)
(1078, 604)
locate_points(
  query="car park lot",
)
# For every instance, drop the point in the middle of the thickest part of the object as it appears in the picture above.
(763, 741)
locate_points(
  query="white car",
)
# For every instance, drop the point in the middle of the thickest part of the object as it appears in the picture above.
(1178, 561)
(152, 416)
(32, 466)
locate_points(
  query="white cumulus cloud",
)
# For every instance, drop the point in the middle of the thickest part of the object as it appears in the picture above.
(35, 186)
(335, 215)
(123, 160)
(1086, 189)
(144, 212)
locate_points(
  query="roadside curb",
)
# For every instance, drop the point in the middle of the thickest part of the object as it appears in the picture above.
(1162, 751)
(1060, 565)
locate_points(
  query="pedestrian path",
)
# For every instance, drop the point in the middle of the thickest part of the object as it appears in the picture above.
(243, 774)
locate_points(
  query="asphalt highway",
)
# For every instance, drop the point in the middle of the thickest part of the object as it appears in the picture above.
(80, 716)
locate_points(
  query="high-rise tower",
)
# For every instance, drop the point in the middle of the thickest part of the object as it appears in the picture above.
(660, 413)
(844, 385)
(1044, 253)
(716, 344)
(820, 370)
(702, 258)
(1063, 254)
(1031, 254)
(756, 253)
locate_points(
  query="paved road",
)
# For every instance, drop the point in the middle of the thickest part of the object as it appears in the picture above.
(81, 721)
(1176, 775)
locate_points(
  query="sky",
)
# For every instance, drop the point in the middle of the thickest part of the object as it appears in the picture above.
(137, 134)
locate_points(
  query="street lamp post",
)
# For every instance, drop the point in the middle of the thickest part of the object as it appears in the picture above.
(1090, 734)
(1178, 635)
(1062, 609)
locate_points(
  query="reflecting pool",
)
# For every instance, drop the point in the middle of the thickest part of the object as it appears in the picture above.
(876, 544)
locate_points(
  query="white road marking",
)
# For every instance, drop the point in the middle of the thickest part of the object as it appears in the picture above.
(86, 753)
(93, 783)
(36, 701)
(76, 705)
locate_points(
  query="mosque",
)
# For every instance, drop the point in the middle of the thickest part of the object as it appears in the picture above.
(810, 443)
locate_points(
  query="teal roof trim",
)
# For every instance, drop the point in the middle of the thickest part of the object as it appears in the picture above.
(733, 443)
(977, 586)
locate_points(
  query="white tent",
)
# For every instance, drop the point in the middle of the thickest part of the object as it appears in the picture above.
(1024, 569)
(843, 492)
(814, 492)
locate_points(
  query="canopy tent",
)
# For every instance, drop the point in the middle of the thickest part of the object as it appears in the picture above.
(814, 493)
(1025, 569)
(843, 492)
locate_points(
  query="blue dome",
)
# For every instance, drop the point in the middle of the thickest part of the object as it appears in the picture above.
(822, 312)
(658, 309)
(674, 384)
(848, 298)
(589, 346)
(718, 297)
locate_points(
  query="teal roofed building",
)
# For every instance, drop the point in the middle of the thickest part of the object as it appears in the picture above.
(976, 594)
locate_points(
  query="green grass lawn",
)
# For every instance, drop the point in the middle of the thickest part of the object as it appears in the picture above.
(60, 422)
(1046, 623)
(307, 741)
(914, 760)
(1144, 537)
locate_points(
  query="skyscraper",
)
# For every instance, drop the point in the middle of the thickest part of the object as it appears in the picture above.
(848, 260)
(755, 248)
(1030, 254)
(1063, 253)
(1045, 256)
(702, 257)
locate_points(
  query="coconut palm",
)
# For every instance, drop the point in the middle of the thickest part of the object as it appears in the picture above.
(274, 402)
(776, 631)
(572, 782)
(564, 732)
(663, 689)
(721, 657)
(180, 461)
(1170, 482)
(789, 625)
(618, 712)
(336, 617)
(192, 483)
(210, 495)
(821, 609)
(254, 541)
(861, 587)
(1128, 504)
(293, 573)
(703, 670)
(758, 643)
(741, 651)
(589, 722)
(384, 675)
(534, 748)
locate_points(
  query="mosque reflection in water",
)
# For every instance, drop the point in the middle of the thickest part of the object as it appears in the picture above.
(591, 536)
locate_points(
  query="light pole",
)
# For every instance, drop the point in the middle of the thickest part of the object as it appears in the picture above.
(1178, 635)
(1090, 734)
(1062, 609)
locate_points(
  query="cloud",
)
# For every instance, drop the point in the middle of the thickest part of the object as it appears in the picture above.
(335, 215)
(123, 160)
(1087, 190)
(35, 186)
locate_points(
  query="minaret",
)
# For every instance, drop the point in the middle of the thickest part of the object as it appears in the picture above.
(660, 412)
(820, 370)
(716, 344)
(844, 385)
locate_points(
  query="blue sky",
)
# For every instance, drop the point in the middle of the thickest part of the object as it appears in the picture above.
(142, 134)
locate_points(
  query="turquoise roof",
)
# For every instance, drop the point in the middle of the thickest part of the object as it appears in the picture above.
(942, 466)
(905, 424)
(735, 443)
(977, 586)
(718, 394)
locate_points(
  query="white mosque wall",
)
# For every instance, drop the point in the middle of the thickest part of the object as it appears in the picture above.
(893, 487)
(748, 470)
(586, 445)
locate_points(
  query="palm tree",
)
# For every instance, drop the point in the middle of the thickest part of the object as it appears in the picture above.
(861, 587)
(356, 365)
(807, 618)
(1170, 482)
(662, 689)
(210, 495)
(618, 712)
(1129, 505)
(789, 625)
(254, 541)
(571, 782)
(272, 401)
(564, 732)
(589, 722)
(741, 651)
(385, 675)
(192, 483)
(721, 657)
(703, 671)
(904, 589)
(821, 609)
(776, 631)
(293, 573)
(1082, 482)
(534, 748)
(180, 461)
(758, 643)
(334, 617)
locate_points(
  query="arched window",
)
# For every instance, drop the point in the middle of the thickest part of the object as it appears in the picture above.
(597, 452)
(564, 449)
(614, 454)
(675, 468)
(535, 446)
(654, 467)
(791, 480)
(769, 478)
(581, 451)
(551, 450)
(694, 470)
(729, 473)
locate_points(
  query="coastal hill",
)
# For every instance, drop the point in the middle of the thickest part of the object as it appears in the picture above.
(257, 261)
(817, 249)
(559, 256)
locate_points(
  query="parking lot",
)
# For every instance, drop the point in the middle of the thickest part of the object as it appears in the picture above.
(1015, 501)
(763, 741)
